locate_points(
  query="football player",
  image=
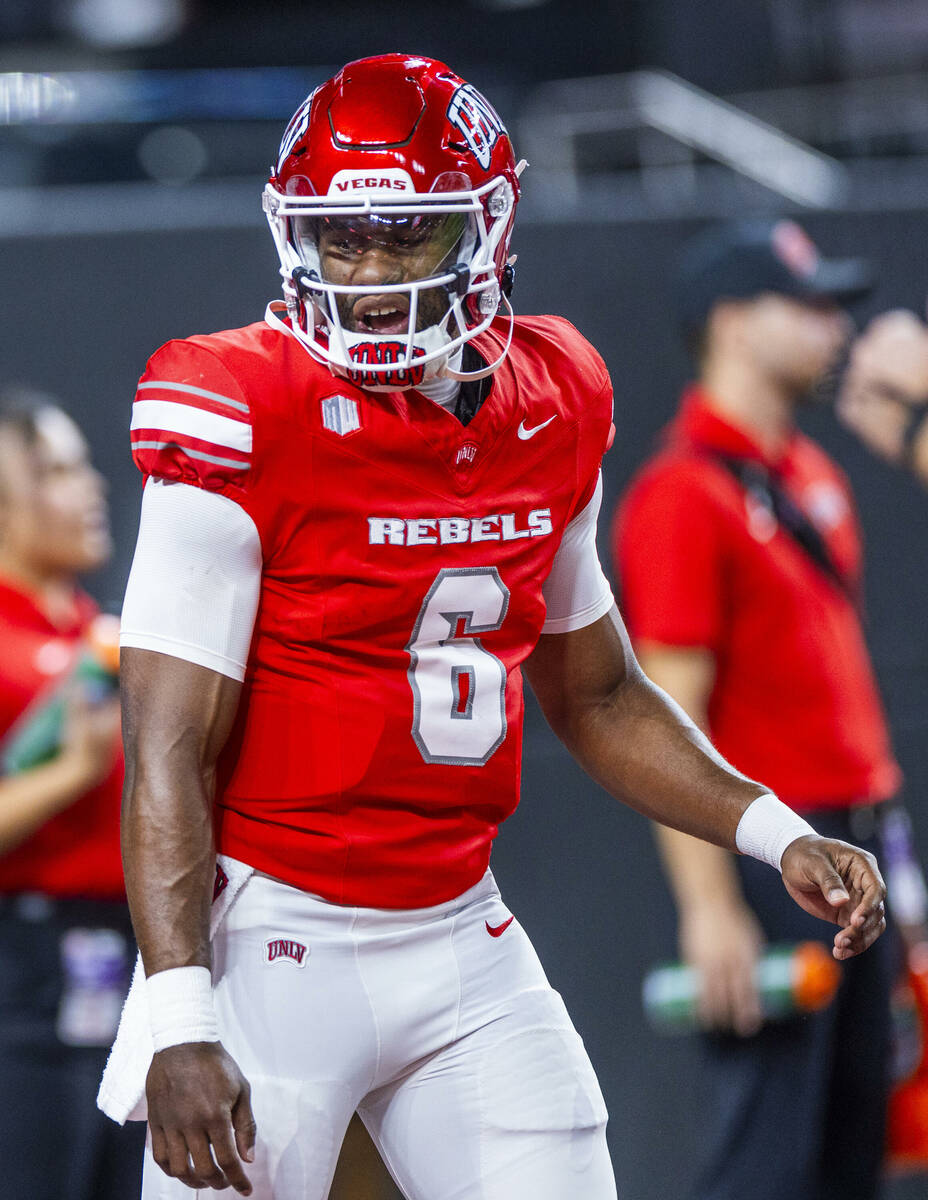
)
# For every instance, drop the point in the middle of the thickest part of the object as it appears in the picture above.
(364, 516)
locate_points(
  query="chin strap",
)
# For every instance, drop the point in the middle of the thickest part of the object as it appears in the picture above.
(449, 372)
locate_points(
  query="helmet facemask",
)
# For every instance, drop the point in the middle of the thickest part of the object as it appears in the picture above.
(387, 287)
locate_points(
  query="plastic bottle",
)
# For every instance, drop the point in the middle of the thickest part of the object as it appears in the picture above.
(790, 979)
(36, 736)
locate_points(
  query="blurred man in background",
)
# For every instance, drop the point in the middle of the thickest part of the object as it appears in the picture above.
(739, 557)
(65, 936)
(884, 394)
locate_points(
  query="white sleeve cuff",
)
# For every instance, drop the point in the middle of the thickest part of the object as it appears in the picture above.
(196, 578)
(767, 827)
(576, 591)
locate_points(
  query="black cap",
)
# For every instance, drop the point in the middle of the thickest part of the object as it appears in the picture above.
(747, 258)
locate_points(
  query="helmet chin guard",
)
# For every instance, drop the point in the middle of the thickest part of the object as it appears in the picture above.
(395, 182)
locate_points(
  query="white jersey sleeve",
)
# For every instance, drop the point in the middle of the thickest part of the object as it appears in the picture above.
(577, 592)
(195, 580)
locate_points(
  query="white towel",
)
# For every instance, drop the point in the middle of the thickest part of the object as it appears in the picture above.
(122, 1088)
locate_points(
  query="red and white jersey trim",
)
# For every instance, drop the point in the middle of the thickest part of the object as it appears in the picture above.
(194, 422)
(201, 433)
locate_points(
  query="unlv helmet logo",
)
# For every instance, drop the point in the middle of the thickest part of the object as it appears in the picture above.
(299, 123)
(385, 354)
(475, 118)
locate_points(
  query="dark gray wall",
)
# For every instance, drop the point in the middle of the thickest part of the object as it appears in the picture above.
(79, 317)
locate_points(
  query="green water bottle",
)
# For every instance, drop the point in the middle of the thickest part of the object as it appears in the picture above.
(36, 736)
(790, 979)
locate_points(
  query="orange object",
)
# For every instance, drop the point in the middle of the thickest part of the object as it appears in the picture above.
(103, 640)
(817, 976)
(907, 1146)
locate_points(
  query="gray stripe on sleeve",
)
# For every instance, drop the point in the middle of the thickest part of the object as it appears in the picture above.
(194, 391)
(201, 454)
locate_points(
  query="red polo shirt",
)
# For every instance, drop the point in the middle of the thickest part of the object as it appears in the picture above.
(701, 564)
(76, 852)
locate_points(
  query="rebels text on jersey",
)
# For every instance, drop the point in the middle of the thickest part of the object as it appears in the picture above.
(377, 745)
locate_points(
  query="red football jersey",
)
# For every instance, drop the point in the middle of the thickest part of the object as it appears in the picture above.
(378, 741)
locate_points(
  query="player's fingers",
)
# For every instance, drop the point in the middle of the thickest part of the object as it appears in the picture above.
(832, 885)
(227, 1157)
(871, 891)
(159, 1148)
(243, 1122)
(848, 944)
(857, 936)
(865, 888)
(204, 1167)
(179, 1159)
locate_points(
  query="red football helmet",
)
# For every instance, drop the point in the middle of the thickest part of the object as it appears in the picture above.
(391, 205)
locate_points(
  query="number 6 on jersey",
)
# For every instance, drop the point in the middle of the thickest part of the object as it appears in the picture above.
(459, 688)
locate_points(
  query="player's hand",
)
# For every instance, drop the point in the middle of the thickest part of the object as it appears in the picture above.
(840, 883)
(722, 941)
(199, 1113)
(885, 383)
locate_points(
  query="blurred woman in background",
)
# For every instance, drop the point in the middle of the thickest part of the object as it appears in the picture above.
(65, 938)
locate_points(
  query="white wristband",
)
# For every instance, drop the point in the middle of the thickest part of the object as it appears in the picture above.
(180, 1006)
(767, 827)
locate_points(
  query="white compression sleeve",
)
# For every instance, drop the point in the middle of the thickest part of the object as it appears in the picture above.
(577, 592)
(195, 579)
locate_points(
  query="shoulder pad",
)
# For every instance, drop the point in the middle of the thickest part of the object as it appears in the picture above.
(563, 341)
(191, 421)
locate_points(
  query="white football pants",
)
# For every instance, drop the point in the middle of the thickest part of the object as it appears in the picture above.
(437, 1025)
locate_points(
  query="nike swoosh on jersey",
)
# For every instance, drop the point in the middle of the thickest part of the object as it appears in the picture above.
(498, 930)
(525, 432)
